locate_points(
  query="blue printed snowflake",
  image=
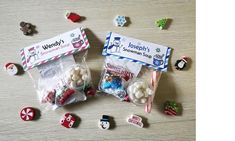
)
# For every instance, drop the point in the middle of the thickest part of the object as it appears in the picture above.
(120, 21)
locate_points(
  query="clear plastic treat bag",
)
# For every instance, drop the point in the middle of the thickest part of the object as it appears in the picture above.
(132, 69)
(58, 77)
(62, 82)
(116, 75)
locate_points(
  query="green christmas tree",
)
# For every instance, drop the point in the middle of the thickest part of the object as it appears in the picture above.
(161, 23)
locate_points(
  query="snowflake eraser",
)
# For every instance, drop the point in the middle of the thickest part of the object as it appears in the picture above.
(120, 20)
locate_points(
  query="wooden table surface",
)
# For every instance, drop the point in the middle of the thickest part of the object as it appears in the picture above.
(48, 15)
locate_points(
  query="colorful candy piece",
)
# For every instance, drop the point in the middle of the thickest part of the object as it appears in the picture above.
(50, 97)
(171, 108)
(161, 23)
(68, 120)
(181, 63)
(61, 99)
(126, 98)
(104, 123)
(11, 69)
(27, 113)
(90, 91)
(73, 17)
(27, 28)
(135, 120)
(120, 20)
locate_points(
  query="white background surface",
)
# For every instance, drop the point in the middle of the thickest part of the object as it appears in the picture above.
(215, 84)
(48, 16)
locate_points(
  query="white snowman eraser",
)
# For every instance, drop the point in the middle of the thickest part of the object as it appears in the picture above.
(104, 123)
(11, 69)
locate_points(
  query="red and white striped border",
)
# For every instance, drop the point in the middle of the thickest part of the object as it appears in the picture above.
(87, 45)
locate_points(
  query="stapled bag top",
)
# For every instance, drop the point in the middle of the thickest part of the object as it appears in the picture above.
(142, 52)
(51, 49)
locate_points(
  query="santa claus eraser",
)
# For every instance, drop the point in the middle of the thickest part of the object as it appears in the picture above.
(27, 114)
(73, 16)
(181, 63)
(135, 120)
(11, 68)
(104, 123)
(68, 120)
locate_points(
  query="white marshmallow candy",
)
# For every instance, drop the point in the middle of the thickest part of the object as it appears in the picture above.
(135, 90)
(139, 94)
(77, 76)
(73, 84)
(143, 100)
(72, 71)
(149, 92)
(136, 100)
(79, 82)
(83, 71)
(85, 77)
(77, 72)
(77, 68)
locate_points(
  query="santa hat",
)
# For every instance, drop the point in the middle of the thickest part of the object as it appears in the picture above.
(7, 65)
(184, 58)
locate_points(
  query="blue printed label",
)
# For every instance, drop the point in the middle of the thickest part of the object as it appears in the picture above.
(146, 53)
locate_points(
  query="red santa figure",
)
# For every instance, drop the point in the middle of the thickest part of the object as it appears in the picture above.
(11, 69)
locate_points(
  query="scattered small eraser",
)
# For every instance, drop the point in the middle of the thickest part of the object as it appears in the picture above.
(11, 69)
(73, 17)
(135, 120)
(104, 123)
(27, 113)
(68, 120)
(120, 20)
(27, 28)
(181, 63)
(171, 108)
(161, 23)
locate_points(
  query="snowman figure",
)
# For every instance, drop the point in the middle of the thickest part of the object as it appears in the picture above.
(104, 123)
(32, 56)
(116, 45)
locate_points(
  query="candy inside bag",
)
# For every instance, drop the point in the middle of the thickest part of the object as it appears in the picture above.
(139, 91)
(55, 79)
(142, 89)
(146, 62)
(63, 81)
(78, 77)
(116, 75)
